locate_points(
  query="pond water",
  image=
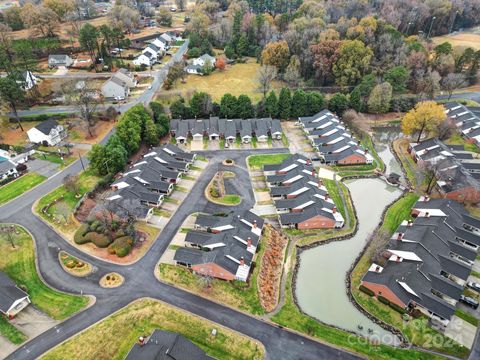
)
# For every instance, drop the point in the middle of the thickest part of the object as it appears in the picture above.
(320, 288)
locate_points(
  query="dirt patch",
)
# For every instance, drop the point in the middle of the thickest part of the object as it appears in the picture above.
(367, 122)
(271, 268)
(111, 280)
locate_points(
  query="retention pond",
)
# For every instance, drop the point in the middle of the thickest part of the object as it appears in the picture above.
(320, 286)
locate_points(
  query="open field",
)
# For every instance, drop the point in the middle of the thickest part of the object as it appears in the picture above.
(17, 187)
(19, 264)
(113, 337)
(466, 39)
(236, 79)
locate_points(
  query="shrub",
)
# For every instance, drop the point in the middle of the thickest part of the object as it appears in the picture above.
(121, 246)
(366, 290)
(120, 233)
(397, 308)
(99, 240)
(79, 236)
(383, 300)
(94, 225)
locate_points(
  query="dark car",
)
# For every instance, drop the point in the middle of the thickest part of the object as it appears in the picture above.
(473, 285)
(469, 301)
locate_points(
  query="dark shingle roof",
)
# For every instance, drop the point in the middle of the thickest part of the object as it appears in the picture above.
(165, 345)
(46, 126)
(9, 293)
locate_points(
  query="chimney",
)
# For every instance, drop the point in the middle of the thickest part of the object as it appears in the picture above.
(400, 236)
(242, 261)
(334, 210)
(249, 242)
(320, 183)
(254, 224)
(427, 198)
(377, 269)
(326, 196)
(366, 151)
(410, 223)
(313, 172)
(398, 258)
(308, 162)
(141, 341)
(427, 214)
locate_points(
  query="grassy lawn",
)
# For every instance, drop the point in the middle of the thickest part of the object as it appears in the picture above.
(290, 316)
(417, 331)
(17, 187)
(255, 162)
(113, 337)
(56, 159)
(398, 212)
(60, 214)
(400, 146)
(229, 199)
(19, 264)
(236, 79)
(10, 332)
(457, 139)
(467, 317)
(235, 294)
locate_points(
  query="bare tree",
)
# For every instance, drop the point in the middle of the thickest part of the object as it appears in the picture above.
(71, 183)
(86, 98)
(265, 76)
(426, 175)
(446, 129)
(9, 231)
(205, 280)
(452, 82)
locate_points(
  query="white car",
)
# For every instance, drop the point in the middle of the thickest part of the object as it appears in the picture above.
(119, 98)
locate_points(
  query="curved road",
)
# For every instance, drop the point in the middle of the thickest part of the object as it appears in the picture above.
(139, 277)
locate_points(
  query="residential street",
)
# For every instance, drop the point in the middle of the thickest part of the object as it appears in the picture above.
(147, 96)
(139, 277)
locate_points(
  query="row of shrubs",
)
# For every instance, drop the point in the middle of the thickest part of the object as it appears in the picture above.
(383, 300)
(119, 244)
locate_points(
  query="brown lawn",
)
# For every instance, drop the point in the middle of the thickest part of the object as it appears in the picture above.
(467, 39)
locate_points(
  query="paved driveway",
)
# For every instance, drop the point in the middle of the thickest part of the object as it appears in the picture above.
(42, 167)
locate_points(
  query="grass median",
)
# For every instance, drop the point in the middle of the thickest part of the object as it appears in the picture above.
(19, 264)
(113, 337)
(255, 162)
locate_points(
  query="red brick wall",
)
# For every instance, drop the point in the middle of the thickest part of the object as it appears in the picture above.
(465, 194)
(353, 159)
(213, 270)
(317, 222)
(385, 292)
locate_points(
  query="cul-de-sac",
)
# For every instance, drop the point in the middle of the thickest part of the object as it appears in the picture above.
(240, 179)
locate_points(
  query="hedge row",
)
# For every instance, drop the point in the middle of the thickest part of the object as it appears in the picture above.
(366, 290)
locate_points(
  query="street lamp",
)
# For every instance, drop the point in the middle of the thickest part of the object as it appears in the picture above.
(453, 22)
(408, 27)
(431, 25)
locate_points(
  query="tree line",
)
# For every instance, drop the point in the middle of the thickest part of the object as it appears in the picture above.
(135, 126)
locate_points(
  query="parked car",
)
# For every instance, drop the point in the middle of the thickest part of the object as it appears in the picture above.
(119, 98)
(473, 285)
(469, 301)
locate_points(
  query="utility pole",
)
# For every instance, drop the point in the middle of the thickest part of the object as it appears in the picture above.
(81, 161)
(431, 25)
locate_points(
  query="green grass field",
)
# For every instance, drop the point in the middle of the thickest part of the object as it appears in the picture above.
(63, 209)
(255, 162)
(10, 332)
(17, 187)
(19, 264)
